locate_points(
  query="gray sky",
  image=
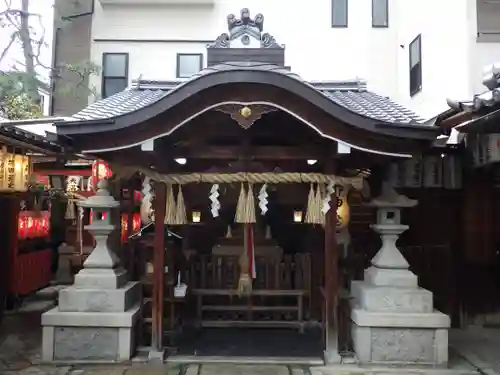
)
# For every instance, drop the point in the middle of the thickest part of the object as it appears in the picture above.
(45, 9)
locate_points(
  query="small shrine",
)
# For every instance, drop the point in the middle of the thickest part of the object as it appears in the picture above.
(253, 183)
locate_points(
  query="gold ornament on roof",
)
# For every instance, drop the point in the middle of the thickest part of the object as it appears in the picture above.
(245, 112)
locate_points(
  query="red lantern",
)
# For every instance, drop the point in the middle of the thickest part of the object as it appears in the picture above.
(124, 227)
(137, 196)
(136, 222)
(21, 226)
(30, 226)
(45, 224)
(100, 171)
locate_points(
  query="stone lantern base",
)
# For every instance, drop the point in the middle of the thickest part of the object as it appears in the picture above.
(397, 325)
(92, 324)
(96, 317)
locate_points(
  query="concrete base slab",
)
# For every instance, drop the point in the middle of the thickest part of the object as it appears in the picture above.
(232, 369)
(78, 336)
(156, 356)
(295, 361)
(384, 370)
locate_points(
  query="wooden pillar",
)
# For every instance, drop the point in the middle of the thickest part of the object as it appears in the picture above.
(331, 283)
(331, 276)
(158, 272)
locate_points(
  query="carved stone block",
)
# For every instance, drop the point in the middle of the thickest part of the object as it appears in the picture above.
(402, 345)
(386, 299)
(99, 300)
(86, 343)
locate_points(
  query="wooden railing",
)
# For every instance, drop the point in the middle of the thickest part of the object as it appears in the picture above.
(222, 272)
(281, 290)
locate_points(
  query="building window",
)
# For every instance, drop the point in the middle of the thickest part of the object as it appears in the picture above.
(488, 27)
(380, 13)
(415, 65)
(114, 73)
(189, 64)
(339, 13)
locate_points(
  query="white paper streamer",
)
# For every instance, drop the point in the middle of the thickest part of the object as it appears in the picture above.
(330, 190)
(214, 198)
(146, 203)
(263, 199)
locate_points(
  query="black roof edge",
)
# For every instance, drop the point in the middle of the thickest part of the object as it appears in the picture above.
(86, 122)
(482, 124)
(446, 115)
(409, 126)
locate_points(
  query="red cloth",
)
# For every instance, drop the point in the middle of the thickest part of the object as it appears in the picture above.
(251, 251)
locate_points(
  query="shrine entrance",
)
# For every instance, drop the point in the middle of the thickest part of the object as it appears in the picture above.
(247, 223)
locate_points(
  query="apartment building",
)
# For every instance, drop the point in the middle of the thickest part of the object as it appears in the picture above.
(417, 52)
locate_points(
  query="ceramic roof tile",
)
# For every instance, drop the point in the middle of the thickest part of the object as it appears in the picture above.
(487, 99)
(350, 94)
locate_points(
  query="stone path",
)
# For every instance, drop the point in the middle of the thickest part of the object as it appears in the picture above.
(20, 342)
(481, 347)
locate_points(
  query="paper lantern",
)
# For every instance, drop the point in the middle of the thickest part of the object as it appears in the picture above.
(297, 216)
(196, 216)
(21, 227)
(45, 224)
(136, 222)
(343, 212)
(124, 227)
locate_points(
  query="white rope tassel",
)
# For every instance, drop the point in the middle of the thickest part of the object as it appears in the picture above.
(146, 203)
(330, 189)
(263, 199)
(214, 198)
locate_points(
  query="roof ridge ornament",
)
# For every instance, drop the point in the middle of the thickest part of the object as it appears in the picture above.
(491, 78)
(245, 32)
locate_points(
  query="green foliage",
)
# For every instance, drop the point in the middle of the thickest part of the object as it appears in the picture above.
(73, 79)
(16, 101)
(21, 107)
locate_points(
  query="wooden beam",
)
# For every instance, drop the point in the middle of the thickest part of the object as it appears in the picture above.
(455, 120)
(158, 268)
(255, 152)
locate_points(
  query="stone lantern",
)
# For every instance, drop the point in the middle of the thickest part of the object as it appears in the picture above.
(96, 316)
(394, 320)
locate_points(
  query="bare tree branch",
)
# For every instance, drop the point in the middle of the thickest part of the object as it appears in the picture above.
(13, 38)
(31, 38)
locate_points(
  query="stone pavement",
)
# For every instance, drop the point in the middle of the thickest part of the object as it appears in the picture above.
(20, 343)
(481, 347)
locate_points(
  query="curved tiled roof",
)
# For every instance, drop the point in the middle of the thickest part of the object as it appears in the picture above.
(351, 95)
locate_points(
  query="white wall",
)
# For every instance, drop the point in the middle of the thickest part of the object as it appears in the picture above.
(314, 49)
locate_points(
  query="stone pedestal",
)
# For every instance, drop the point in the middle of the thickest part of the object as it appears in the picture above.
(96, 317)
(394, 321)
